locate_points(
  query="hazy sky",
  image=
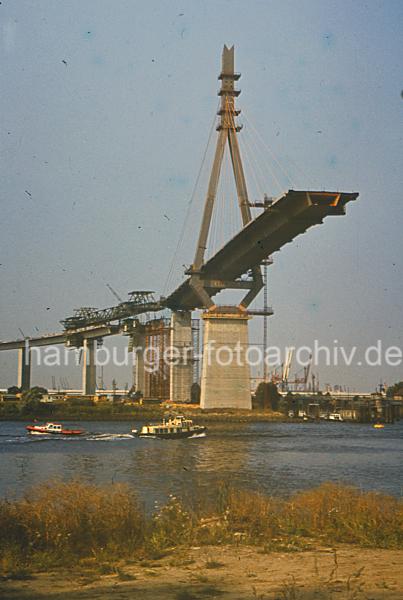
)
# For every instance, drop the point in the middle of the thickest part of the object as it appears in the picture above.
(105, 113)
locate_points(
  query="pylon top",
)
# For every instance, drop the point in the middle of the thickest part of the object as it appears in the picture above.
(227, 91)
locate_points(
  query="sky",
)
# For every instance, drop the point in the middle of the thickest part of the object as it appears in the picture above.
(106, 109)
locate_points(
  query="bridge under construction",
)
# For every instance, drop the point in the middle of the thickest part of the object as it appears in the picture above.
(239, 265)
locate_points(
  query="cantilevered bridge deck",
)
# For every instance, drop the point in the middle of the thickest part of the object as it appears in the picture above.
(291, 215)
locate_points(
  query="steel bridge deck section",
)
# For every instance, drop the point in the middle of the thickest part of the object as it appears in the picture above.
(291, 215)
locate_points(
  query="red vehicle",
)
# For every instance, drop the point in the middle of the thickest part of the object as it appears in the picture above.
(52, 428)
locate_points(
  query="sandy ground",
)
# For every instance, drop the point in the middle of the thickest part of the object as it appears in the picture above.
(229, 573)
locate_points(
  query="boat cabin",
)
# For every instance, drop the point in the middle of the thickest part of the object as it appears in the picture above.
(53, 426)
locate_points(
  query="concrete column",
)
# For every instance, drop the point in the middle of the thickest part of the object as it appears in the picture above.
(24, 368)
(225, 380)
(139, 344)
(181, 367)
(89, 371)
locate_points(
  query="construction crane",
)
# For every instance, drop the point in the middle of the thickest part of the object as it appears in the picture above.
(114, 292)
(287, 366)
(301, 381)
(306, 373)
(282, 376)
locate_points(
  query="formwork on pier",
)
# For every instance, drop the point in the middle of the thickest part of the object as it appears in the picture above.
(156, 368)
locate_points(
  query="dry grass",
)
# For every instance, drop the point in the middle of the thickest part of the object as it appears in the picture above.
(331, 513)
(63, 522)
(345, 514)
(71, 523)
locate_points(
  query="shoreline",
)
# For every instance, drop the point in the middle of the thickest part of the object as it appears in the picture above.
(156, 414)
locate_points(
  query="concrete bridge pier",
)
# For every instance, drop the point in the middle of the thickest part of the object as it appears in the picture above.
(139, 344)
(89, 370)
(24, 368)
(225, 380)
(181, 367)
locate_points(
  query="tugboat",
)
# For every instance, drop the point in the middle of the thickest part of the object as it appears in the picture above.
(171, 428)
(52, 428)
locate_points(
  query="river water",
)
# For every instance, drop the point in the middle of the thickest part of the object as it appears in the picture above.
(278, 458)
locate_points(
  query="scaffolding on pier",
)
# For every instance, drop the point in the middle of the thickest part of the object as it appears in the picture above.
(157, 342)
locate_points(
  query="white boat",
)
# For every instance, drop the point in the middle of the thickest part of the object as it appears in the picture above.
(335, 417)
(171, 428)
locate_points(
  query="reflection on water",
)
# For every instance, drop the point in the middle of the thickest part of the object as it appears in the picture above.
(277, 458)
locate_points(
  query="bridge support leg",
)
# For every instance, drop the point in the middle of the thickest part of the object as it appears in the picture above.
(24, 369)
(89, 371)
(181, 367)
(139, 344)
(225, 380)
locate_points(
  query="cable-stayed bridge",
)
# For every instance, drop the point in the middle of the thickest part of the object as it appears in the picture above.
(237, 265)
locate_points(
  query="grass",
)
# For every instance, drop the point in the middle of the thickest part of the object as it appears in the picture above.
(66, 524)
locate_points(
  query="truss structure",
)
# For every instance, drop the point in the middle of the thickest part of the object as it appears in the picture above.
(139, 302)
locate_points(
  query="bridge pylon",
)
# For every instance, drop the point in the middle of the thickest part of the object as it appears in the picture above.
(228, 130)
(225, 384)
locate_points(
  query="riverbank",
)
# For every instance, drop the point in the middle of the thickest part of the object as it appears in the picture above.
(129, 413)
(225, 572)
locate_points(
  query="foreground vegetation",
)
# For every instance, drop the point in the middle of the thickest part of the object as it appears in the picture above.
(61, 524)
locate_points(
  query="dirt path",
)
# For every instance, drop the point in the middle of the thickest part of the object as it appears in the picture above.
(229, 573)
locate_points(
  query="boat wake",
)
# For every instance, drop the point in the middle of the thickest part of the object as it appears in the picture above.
(109, 437)
(182, 439)
(34, 439)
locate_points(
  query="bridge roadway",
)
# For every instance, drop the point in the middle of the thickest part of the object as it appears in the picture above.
(72, 339)
(292, 214)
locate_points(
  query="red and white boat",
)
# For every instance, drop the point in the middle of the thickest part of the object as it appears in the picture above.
(52, 428)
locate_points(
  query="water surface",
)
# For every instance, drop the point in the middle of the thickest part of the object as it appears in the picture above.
(278, 458)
